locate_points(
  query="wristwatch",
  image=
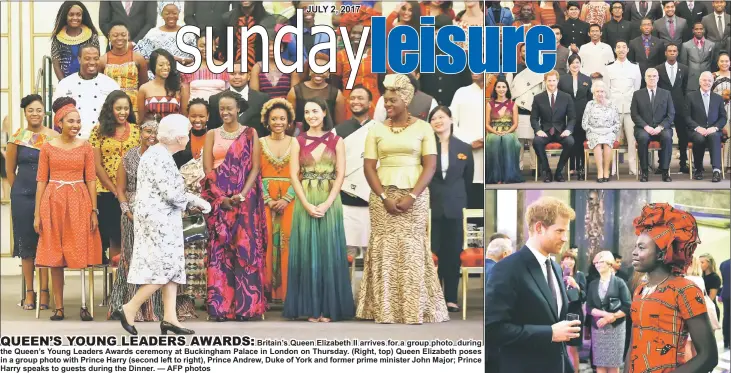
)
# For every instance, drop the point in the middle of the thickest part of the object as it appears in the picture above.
(412, 195)
(96, 211)
(383, 196)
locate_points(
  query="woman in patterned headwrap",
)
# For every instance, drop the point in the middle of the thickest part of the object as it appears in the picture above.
(668, 306)
(126, 182)
(400, 283)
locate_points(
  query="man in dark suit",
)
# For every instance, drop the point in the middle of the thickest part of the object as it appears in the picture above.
(575, 32)
(706, 118)
(692, 11)
(250, 116)
(671, 28)
(552, 118)
(674, 78)
(139, 16)
(617, 28)
(653, 113)
(206, 13)
(635, 11)
(525, 302)
(646, 50)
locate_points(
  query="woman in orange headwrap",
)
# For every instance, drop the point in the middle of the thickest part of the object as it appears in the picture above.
(668, 306)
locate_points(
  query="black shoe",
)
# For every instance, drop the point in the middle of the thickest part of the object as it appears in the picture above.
(547, 177)
(581, 176)
(600, 180)
(123, 319)
(606, 179)
(643, 176)
(85, 315)
(166, 327)
(716, 176)
(453, 309)
(242, 318)
(559, 177)
(58, 314)
(666, 177)
(698, 175)
(684, 169)
(658, 171)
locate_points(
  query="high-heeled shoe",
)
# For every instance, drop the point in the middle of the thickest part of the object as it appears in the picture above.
(119, 313)
(166, 327)
(44, 306)
(29, 306)
(85, 315)
(58, 314)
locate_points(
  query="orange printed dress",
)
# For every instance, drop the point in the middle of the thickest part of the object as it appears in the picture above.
(66, 238)
(277, 185)
(659, 334)
(364, 76)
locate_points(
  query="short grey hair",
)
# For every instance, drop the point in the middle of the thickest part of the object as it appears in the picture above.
(499, 246)
(172, 127)
(704, 74)
(598, 84)
(651, 70)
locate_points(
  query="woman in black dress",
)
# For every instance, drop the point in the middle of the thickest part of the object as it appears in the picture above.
(22, 166)
(578, 86)
(575, 283)
(711, 278)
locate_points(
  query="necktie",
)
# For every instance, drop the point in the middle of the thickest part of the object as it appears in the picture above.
(672, 75)
(550, 276)
(127, 6)
(652, 97)
(671, 28)
(646, 42)
(643, 8)
(690, 6)
(705, 102)
(553, 100)
(719, 24)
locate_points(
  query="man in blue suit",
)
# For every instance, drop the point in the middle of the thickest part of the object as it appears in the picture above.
(705, 119)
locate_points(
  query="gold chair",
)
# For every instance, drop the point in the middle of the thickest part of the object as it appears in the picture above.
(690, 159)
(551, 148)
(615, 157)
(471, 258)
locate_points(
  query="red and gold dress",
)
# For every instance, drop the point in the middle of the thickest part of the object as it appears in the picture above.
(66, 238)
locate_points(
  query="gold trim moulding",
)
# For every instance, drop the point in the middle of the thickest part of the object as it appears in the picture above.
(6, 255)
(4, 90)
(4, 201)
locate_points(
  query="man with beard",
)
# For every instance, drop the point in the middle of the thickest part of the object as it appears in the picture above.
(671, 28)
(595, 55)
(467, 107)
(355, 191)
(618, 28)
(524, 300)
(674, 78)
(88, 87)
(646, 50)
(698, 54)
(251, 114)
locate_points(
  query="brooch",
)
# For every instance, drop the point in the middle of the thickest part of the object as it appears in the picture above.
(585, 84)
(461, 156)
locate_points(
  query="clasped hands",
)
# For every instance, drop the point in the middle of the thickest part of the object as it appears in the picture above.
(395, 207)
(278, 206)
(606, 319)
(317, 211)
(565, 133)
(706, 131)
(653, 131)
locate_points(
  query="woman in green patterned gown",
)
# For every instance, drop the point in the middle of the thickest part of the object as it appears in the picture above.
(502, 148)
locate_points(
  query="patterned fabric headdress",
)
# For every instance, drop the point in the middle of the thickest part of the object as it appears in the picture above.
(675, 232)
(62, 112)
(163, 4)
(362, 17)
(151, 124)
(401, 84)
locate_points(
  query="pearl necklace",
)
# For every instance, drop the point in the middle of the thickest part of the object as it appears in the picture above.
(231, 135)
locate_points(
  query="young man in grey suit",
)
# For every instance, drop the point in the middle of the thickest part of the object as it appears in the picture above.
(698, 54)
(716, 23)
(670, 28)
(706, 117)
(653, 113)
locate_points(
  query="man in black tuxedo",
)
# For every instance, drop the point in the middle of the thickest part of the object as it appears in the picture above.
(525, 300)
(692, 11)
(706, 117)
(674, 78)
(139, 16)
(250, 116)
(646, 57)
(552, 118)
(653, 113)
(574, 31)
(618, 28)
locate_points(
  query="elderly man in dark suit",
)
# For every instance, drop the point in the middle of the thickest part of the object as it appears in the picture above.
(671, 28)
(706, 117)
(525, 302)
(674, 78)
(552, 118)
(139, 16)
(249, 116)
(653, 113)
(646, 50)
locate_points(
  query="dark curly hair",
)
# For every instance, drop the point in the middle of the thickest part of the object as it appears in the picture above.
(327, 122)
(27, 100)
(63, 13)
(199, 101)
(172, 83)
(61, 102)
(240, 102)
(107, 119)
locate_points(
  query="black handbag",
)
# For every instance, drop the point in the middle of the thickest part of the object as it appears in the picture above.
(194, 228)
(613, 305)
